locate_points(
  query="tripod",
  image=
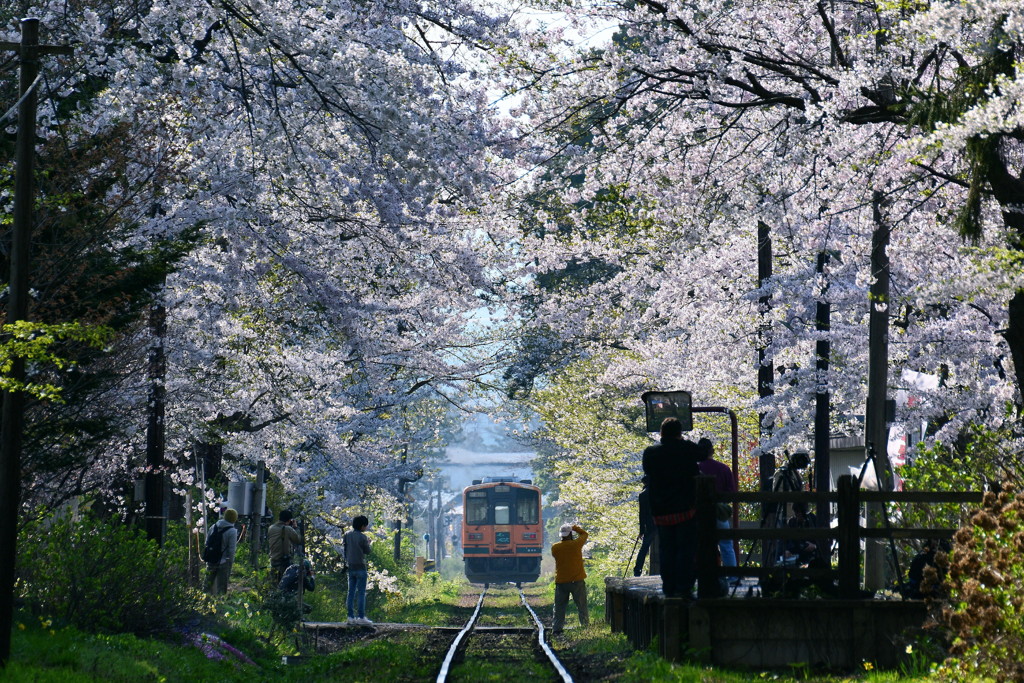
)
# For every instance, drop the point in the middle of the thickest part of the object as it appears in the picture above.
(632, 552)
(787, 478)
(873, 459)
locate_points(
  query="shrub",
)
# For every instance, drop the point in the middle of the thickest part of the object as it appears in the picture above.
(985, 573)
(101, 576)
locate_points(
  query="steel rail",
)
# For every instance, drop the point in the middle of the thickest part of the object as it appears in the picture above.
(566, 678)
(442, 676)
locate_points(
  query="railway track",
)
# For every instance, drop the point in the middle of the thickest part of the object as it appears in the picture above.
(480, 646)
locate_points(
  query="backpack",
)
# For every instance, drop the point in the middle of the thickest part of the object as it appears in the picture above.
(214, 548)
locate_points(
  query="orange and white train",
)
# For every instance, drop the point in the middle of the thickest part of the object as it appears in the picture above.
(502, 531)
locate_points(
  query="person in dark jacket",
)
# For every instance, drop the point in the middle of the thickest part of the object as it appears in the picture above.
(671, 468)
(802, 552)
(357, 547)
(289, 584)
(649, 534)
(290, 578)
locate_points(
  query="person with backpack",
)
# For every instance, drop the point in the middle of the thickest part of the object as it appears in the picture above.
(283, 539)
(219, 553)
(289, 584)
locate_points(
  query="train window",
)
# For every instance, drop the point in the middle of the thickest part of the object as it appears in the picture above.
(501, 514)
(526, 507)
(502, 489)
(476, 508)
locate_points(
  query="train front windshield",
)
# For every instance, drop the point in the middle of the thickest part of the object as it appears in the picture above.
(502, 508)
(526, 507)
(476, 508)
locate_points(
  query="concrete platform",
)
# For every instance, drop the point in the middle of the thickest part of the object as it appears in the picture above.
(763, 632)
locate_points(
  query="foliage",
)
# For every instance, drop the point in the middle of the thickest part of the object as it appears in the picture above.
(48, 653)
(427, 600)
(973, 463)
(284, 609)
(985, 573)
(101, 576)
(34, 343)
(93, 281)
(596, 437)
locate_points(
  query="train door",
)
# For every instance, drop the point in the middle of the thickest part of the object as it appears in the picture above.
(503, 503)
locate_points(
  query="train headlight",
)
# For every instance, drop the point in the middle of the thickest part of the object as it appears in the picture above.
(476, 537)
(532, 536)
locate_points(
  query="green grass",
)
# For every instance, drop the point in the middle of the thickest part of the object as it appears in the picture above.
(43, 654)
(42, 651)
(398, 658)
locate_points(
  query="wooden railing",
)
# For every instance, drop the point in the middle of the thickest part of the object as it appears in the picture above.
(847, 533)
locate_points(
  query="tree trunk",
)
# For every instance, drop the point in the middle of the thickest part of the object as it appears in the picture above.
(1009, 192)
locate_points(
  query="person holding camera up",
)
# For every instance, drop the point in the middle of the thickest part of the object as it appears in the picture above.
(283, 538)
(570, 575)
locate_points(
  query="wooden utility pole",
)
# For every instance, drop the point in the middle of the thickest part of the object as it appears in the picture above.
(876, 432)
(765, 367)
(156, 500)
(401, 502)
(822, 414)
(256, 518)
(13, 412)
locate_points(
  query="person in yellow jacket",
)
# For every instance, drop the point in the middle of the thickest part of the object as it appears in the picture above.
(570, 575)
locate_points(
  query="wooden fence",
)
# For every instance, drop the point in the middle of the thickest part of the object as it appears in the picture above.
(846, 534)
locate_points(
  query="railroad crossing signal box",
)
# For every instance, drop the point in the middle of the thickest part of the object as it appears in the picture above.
(424, 565)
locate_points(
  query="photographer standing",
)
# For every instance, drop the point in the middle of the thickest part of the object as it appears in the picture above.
(283, 538)
(570, 575)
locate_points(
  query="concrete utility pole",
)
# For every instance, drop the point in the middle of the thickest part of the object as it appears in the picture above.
(13, 411)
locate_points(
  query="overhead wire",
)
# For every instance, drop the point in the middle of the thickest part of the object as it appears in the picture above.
(10, 112)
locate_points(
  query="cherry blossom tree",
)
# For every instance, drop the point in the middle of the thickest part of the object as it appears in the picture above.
(823, 121)
(329, 159)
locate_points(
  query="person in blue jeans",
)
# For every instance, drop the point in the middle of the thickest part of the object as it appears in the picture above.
(357, 546)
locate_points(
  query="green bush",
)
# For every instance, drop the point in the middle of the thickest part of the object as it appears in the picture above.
(284, 609)
(101, 576)
(985, 574)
